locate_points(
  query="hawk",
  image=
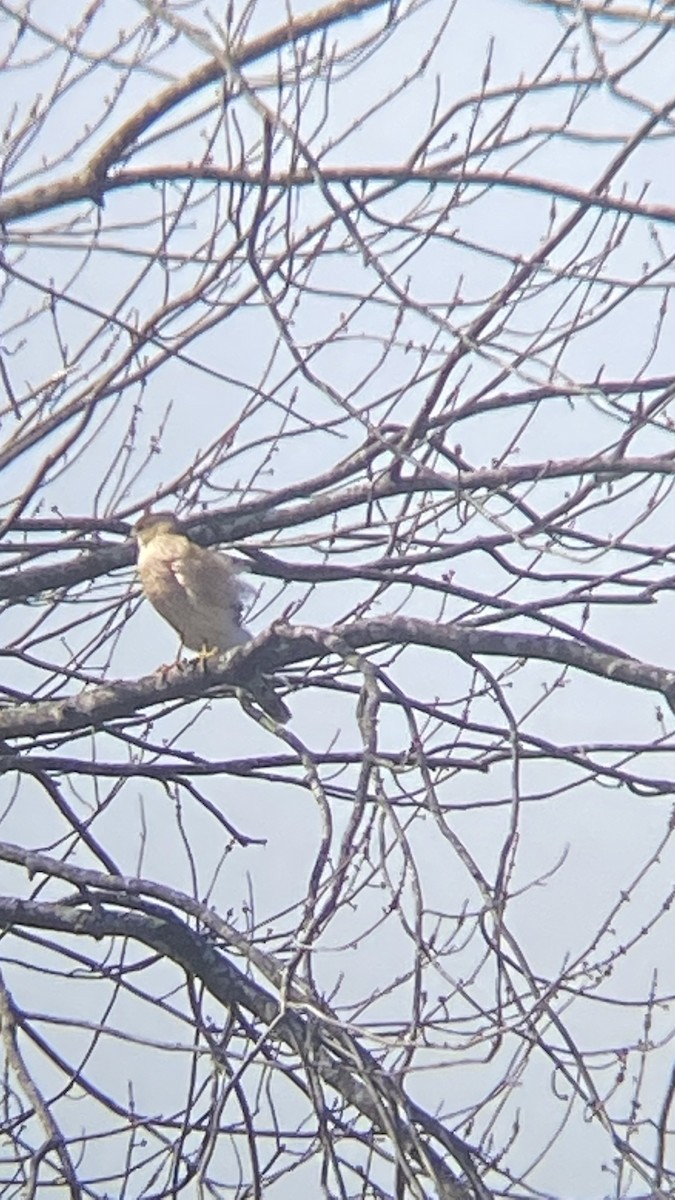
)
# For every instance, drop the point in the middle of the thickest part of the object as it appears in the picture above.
(198, 592)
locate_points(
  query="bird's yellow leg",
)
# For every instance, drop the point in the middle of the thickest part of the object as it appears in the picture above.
(205, 653)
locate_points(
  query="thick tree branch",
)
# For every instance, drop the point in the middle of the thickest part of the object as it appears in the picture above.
(337, 1057)
(258, 518)
(90, 183)
(358, 176)
(285, 645)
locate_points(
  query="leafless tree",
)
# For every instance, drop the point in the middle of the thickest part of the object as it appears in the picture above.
(378, 296)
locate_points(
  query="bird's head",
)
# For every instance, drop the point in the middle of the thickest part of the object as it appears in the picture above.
(151, 524)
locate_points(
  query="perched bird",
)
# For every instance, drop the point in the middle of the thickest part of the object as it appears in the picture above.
(199, 593)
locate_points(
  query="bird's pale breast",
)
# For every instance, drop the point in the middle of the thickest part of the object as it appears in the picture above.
(195, 590)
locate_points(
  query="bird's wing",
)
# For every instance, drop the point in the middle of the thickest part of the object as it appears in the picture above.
(208, 578)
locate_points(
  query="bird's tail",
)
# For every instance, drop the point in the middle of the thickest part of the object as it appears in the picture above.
(264, 694)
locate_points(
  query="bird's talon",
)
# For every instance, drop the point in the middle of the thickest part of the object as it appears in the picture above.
(204, 655)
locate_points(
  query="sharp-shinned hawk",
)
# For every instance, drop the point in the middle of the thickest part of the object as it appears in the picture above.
(199, 593)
